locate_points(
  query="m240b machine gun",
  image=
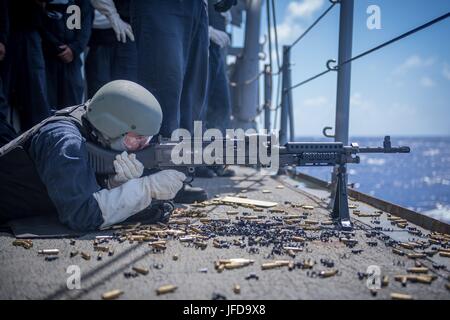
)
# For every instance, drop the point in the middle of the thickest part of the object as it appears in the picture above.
(294, 154)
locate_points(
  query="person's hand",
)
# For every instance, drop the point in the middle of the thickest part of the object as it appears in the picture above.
(121, 28)
(127, 167)
(66, 55)
(219, 37)
(2, 51)
(164, 185)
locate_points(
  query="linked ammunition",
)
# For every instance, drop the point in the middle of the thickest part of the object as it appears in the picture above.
(400, 296)
(140, 270)
(166, 289)
(49, 251)
(110, 295)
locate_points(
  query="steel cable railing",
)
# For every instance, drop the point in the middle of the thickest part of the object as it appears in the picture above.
(384, 44)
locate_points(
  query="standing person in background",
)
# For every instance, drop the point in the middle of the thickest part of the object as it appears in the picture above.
(172, 43)
(7, 133)
(4, 29)
(62, 51)
(24, 83)
(217, 112)
(111, 55)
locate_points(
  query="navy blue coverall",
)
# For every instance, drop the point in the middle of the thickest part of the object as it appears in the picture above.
(65, 183)
(24, 81)
(65, 83)
(218, 103)
(109, 59)
(172, 43)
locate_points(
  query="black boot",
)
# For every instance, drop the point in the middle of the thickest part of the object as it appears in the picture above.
(158, 211)
(204, 172)
(223, 171)
(190, 194)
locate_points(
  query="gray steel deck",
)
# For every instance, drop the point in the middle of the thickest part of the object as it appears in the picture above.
(25, 275)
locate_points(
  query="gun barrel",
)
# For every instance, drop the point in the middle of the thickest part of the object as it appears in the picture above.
(385, 150)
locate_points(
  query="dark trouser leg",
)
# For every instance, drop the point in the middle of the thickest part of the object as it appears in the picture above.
(27, 87)
(124, 64)
(98, 67)
(164, 32)
(196, 76)
(219, 102)
(72, 84)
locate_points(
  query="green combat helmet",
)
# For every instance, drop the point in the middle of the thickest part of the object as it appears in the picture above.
(123, 106)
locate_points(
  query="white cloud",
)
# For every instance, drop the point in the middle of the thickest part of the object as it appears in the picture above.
(413, 62)
(305, 8)
(357, 100)
(290, 28)
(315, 102)
(446, 71)
(427, 82)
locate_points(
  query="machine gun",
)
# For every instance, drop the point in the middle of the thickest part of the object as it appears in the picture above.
(295, 154)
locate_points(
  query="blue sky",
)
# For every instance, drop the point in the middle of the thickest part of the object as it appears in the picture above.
(403, 89)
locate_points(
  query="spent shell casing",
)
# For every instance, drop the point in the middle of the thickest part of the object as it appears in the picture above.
(398, 252)
(49, 251)
(385, 281)
(110, 295)
(73, 253)
(237, 289)
(85, 256)
(166, 289)
(416, 255)
(27, 244)
(418, 270)
(140, 270)
(101, 248)
(444, 254)
(328, 273)
(400, 296)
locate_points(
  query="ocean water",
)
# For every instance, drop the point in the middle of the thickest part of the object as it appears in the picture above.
(419, 181)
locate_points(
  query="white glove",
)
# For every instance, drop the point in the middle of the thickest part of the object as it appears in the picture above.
(121, 28)
(135, 195)
(127, 167)
(165, 184)
(219, 37)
